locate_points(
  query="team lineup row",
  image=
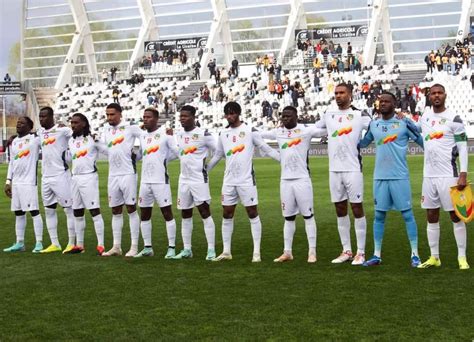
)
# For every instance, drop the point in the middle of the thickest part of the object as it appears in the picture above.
(439, 131)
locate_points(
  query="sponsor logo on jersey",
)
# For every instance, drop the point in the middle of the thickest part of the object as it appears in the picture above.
(292, 143)
(116, 141)
(22, 154)
(434, 135)
(189, 150)
(236, 149)
(342, 131)
(80, 154)
(151, 149)
(48, 141)
(388, 139)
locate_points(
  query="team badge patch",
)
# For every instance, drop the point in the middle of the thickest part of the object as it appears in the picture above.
(396, 125)
(297, 131)
(242, 135)
(350, 116)
(195, 137)
(442, 121)
(462, 202)
(157, 136)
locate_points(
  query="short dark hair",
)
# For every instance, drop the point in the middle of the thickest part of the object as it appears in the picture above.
(232, 108)
(345, 85)
(190, 109)
(154, 111)
(115, 106)
(28, 121)
(49, 110)
(291, 109)
(438, 86)
(83, 118)
(390, 94)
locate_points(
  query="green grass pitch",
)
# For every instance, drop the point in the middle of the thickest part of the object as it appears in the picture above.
(85, 297)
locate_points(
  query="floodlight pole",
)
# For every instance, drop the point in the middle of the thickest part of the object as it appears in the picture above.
(380, 21)
(220, 28)
(148, 30)
(296, 20)
(82, 36)
(464, 20)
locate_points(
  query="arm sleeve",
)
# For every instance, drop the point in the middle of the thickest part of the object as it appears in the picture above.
(367, 139)
(461, 142)
(102, 148)
(136, 131)
(270, 135)
(366, 119)
(210, 142)
(317, 132)
(173, 149)
(321, 123)
(264, 147)
(218, 155)
(10, 165)
(413, 133)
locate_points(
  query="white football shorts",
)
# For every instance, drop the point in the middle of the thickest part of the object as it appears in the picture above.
(193, 195)
(296, 197)
(154, 192)
(435, 193)
(24, 197)
(346, 185)
(247, 195)
(122, 190)
(85, 191)
(57, 189)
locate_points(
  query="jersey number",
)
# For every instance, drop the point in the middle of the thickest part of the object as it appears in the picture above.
(234, 138)
(186, 140)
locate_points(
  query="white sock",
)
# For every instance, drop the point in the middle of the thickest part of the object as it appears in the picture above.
(344, 228)
(311, 231)
(360, 225)
(52, 225)
(461, 238)
(171, 231)
(256, 227)
(433, 233)
(187, 232)
(80, 224)
(146, 232)
(71, 231)
(210, 231)
(20, 226)
(289, 228)
(227, 229)
(99, 229)
(134, 222)
(117, 224)
(38, 227)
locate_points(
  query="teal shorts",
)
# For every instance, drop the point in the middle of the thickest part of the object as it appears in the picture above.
(394, 194)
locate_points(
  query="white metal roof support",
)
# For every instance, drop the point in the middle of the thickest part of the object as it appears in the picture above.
(148, 30)
(220, 27)
(83, 37)
(464, 19)
(380, 20)
(296, 20)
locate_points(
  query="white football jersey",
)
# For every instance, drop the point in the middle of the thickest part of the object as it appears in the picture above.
(156, 148)
(344, 129)
(237, 146)
(54, 143)
(119, 141)
(194, 146)
(83, 152)
(24, 155)
(294, 147)
(441, 132)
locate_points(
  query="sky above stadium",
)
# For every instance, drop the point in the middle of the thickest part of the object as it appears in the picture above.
(10, 21)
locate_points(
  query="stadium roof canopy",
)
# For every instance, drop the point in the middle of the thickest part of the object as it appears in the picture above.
(64, 40)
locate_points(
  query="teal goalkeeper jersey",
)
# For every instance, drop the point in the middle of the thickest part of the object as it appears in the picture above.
(391, 141)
